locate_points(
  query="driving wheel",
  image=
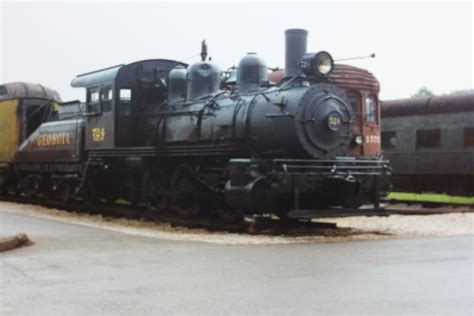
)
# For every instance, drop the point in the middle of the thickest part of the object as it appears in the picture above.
(185, 191)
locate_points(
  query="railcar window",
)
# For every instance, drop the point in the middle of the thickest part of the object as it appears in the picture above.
(389, 140)
(93, 100)
(354, 99)
(370, 109)
(428, 138)
(106, 98)
(125, 101)
(469, 137)
(3, 90)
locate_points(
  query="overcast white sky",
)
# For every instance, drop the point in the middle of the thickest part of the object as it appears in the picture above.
(423, 44)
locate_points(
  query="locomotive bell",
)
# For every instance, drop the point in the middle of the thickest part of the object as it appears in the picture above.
(252, 73)
(203, 80)
(177, 85)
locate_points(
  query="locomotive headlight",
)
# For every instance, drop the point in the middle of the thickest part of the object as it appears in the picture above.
(324, 63)
(317, 64)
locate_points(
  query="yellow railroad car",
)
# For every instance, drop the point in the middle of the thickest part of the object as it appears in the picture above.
(23, 107)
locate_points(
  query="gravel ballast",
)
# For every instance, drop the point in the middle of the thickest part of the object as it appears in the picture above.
(361, 228)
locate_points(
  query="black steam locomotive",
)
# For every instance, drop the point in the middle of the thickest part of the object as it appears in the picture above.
(173, 137)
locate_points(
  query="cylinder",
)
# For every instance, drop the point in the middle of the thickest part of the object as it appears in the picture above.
(295, 48)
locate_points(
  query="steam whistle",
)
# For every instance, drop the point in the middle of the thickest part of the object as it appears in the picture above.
(203, 50)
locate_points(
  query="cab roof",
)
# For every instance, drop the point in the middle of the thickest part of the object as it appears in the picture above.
(140, 70)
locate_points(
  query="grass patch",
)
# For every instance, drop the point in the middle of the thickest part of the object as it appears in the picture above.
(431, 197)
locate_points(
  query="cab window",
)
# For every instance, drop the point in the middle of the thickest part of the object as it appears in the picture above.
(93, 100)
(371, 109)
(125, 96)
(106, 98)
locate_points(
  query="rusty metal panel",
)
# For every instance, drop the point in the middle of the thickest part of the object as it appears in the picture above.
(17, 90)
(9, 131)
(343, 76)
(350, 77)
(429, 105)
(360, 83)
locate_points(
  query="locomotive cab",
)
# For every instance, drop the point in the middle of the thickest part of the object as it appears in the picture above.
(119, 97)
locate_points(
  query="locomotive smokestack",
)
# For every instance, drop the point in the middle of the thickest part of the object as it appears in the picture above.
(295, 46)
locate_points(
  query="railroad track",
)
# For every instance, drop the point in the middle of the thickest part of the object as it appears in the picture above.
(264, 225)
(411, 207)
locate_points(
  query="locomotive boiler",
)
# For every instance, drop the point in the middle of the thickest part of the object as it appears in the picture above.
(172, 137)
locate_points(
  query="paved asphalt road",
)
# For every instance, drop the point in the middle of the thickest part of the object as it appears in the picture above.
(80, 270)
